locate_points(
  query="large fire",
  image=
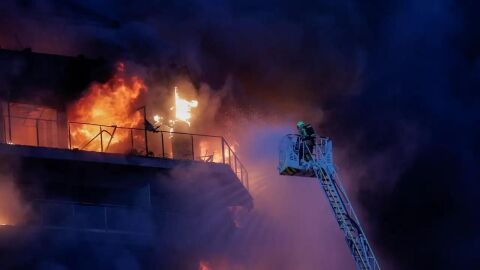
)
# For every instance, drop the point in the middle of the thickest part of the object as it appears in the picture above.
(109, 104)
(102, 120)
(183, 108)
(183, 112)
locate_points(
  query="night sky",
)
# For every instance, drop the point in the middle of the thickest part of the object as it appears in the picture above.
(395, 82)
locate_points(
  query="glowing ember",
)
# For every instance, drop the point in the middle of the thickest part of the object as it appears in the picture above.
(183, 108)
(159, 121)
(111, 104)
(202, 265)
(4, 221)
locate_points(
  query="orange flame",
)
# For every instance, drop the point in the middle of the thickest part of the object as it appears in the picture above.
(4, 221)
(111, 104)
(183, 112)
(183, 108)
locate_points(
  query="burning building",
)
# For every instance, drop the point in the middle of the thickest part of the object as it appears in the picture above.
(96, 180)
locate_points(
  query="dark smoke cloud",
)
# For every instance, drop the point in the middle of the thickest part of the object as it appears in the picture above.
(394, 83)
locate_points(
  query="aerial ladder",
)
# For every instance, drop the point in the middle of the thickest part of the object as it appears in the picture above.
(307, 155)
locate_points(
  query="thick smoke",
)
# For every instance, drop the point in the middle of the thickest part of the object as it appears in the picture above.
(290, 227)
(296, 227)
(394, 83)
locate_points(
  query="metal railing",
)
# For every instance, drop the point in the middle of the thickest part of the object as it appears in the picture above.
(122, 140)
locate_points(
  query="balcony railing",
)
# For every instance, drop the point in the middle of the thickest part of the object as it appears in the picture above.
(122, 140)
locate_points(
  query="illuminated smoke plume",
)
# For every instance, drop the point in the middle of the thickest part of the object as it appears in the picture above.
(13, 210)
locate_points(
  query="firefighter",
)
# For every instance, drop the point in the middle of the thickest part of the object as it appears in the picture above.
(306, 139)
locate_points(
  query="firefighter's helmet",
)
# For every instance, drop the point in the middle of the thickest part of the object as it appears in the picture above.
(300, 124)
